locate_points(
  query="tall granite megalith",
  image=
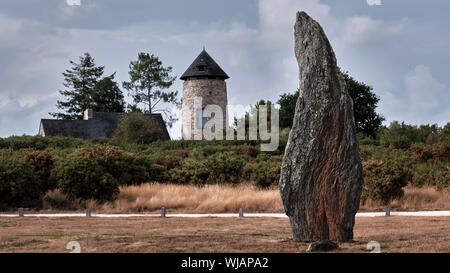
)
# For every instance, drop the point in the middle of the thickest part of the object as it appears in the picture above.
(321, 175)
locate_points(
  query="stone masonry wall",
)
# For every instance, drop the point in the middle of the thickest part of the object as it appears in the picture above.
(212, 92)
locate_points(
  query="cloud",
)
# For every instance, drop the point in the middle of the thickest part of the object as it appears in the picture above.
(277, 18)
(423, 89)
(259, 56)
(259, 60)
(374, 2)
(426, 95)
(37, 53)
(422, 99)
(73, 2)
(17, 119)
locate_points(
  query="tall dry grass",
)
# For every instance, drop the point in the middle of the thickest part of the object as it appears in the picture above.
(193, 199)
(424, 198)
(227, 198)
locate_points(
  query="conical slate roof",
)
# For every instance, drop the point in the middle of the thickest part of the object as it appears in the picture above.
(204, 66)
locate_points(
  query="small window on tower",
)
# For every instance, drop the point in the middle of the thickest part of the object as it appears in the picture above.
(201, 68)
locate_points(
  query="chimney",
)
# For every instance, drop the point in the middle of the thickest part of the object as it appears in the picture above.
(88, 114)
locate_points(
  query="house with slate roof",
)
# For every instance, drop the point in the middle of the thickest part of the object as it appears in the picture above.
(93, 125)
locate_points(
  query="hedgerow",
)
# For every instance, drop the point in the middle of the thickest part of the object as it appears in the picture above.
(385, 179)
(82, 178)
(30, 167)
(20, 184)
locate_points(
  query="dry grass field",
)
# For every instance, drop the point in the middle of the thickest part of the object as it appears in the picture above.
(30, 234)
(154, 234)
(227, 198)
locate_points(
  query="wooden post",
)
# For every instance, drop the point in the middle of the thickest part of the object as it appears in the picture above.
(388, 210)
(21, 212)
(88, 213)
(241, 212)
(163, 212)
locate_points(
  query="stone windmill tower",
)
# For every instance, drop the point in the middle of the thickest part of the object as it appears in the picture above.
(206, 80)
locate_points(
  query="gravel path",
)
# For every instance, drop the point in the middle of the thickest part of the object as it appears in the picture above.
(193, 215)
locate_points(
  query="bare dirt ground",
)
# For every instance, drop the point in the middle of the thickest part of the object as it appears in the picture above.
(30, 234)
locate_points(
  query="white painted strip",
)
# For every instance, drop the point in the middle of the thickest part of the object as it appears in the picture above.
(407, 213)
(229, 215)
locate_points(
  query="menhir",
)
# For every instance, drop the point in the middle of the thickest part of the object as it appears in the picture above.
(321, 175)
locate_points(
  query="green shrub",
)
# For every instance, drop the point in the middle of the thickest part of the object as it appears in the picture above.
(26, 142)
(135, 128)
(82, 178)
(367, 140)
(99, 141)
(401, 135)
(443, 179)
(264, 173)
(430, 174)
(169, 161)
(153, 172)
(212, 149)
(192, 172)
(157, 173)
(43, 163)
(263, 157)
(400, 142)
(268, 156)
(431, 152)
(121, 165)
(365, 153)
(20, 185)
(41, 143)
(181, 153)
(226, 166)
(207, 150)
(176, 145)
(248, 150)
(173, 145)
(384, 179)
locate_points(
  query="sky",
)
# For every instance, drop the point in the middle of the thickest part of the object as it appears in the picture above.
(400, 48)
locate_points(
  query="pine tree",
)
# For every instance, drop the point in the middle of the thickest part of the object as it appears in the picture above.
(107, 96)
(149, 81)
(79, 81)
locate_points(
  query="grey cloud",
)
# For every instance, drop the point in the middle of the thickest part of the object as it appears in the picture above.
(379, 45)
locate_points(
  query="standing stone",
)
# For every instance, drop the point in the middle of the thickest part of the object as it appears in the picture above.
(324, 245)
(321, 175)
